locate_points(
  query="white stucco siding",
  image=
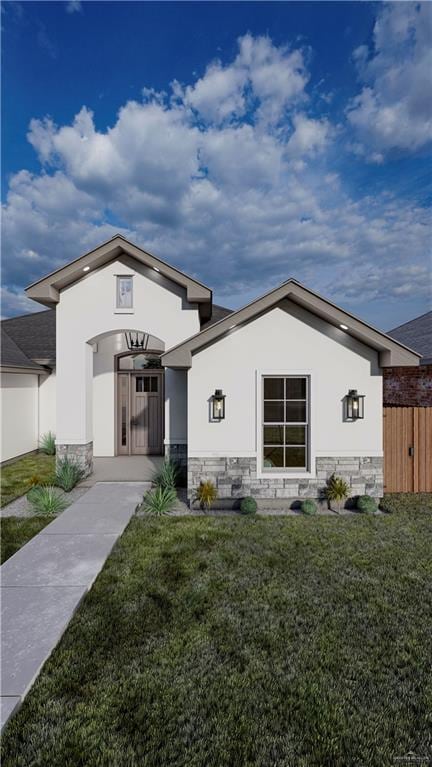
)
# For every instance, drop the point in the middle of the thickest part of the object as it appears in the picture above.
(47, 403)
(87, 310)
(175, 407)
(289, 341)
(104, 394)
(19, 414)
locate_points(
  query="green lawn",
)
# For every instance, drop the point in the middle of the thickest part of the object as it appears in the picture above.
(17, 478)
(16, 531)
(244, 642)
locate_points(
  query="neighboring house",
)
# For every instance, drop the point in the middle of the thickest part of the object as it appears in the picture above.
(417, 334)
(142, 353)
(28, 402)
(411, 386)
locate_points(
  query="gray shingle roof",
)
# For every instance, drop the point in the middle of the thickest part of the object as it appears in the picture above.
(218, 313)
(12, 356)
(34, 334)
(417, 334)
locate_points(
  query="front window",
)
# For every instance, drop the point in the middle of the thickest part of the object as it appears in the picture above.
(124, 293)
(285, 422)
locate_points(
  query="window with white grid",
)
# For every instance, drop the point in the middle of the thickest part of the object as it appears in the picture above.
(285, 422)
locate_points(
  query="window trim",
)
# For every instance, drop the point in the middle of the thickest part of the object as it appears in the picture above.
(123, 309)
(281, 472)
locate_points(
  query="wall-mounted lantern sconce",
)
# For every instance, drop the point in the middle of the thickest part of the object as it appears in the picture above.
(354, 405)
(218, 405)
(136, 341)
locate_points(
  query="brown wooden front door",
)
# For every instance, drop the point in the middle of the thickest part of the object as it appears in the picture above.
(140, 413)
(408, 449)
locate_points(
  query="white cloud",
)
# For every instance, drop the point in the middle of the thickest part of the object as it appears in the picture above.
(235, 199)
(278, 75)
(217, 95)
(73, 6)
(309, 137)
(394, 108)
(15, 302)
(275, 77)
(405, 281)
(31, 255)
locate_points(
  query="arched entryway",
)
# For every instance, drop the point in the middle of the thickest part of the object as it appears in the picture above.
(128, 398)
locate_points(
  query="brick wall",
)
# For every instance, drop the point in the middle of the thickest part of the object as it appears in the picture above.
(408, 386)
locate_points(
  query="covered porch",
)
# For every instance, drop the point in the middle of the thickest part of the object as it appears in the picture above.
(124, 468)
(126, 409)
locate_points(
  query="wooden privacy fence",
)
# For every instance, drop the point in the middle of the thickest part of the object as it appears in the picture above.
(408, 449)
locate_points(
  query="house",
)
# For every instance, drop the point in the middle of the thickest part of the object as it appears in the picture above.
(411, 386)
(263, 400)
(417, 334)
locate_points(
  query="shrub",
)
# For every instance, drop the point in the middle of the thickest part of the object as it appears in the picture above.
(46, 499)
(47, 443)
(68, 473)
(248, 505)
(206, 494)
(366, 504)
(168, 474)
(308, 506)
(336, 491)
(406, 503)
(160, 500)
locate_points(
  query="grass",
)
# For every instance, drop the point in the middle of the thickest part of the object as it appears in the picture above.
(243, 642)
(16, 531)
(16, 478)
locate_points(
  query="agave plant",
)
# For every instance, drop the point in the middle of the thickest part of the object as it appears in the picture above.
(46, 499)
(47, 443)
(337, 491)
(160, 501)
(168, 474)
(68, 473)
(206, 494)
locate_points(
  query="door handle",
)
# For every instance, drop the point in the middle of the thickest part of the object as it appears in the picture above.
(411, 451)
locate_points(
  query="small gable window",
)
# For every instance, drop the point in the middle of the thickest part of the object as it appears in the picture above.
(124, 299)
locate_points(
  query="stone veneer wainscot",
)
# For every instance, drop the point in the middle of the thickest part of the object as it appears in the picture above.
(237, 477)
(82, 454)
(177, 452)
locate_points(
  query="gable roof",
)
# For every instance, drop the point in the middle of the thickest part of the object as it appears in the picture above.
(391, 352)
(11, 356)
(34, 334)
(417, 334)
(46, 290)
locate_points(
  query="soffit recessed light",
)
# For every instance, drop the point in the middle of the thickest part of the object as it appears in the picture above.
(156, 269)
(344, 327)
(86, 269)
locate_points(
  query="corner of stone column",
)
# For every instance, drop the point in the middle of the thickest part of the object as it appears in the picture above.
(82, 454)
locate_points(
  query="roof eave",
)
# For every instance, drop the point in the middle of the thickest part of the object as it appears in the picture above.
(36, 370)
(46, 290)
(391, 352)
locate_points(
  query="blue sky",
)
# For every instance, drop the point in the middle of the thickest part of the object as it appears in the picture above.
(243, 142)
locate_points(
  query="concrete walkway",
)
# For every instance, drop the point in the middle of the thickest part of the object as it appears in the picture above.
(44, 582)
